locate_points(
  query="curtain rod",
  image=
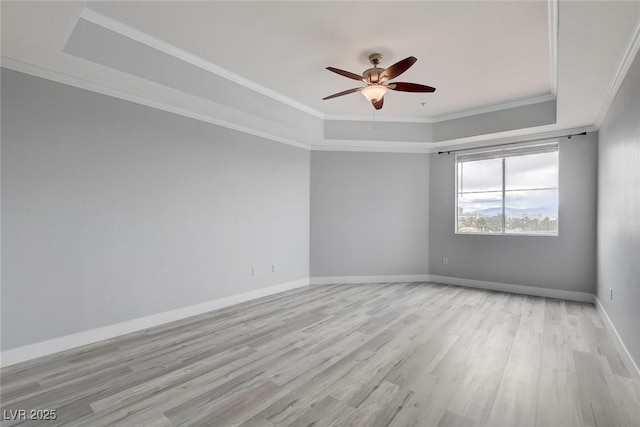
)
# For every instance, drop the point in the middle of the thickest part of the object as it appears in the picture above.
(568, 136)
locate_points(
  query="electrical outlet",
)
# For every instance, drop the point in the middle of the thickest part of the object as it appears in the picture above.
(274, 268)
(611, 292)
(445, 260)
(253, 271)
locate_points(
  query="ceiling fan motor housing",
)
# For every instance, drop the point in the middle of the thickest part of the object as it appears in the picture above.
(372, 75)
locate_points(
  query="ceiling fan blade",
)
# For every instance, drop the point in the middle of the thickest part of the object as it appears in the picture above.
(410, 87)
(344, 92)
(398, 68)
(348, 74)
(378, 104)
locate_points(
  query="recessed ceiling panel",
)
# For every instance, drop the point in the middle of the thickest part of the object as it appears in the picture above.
(477, 54)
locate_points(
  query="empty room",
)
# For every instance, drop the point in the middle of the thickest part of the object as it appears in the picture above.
(320, 213)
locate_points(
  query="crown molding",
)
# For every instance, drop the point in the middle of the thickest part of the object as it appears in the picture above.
(391, 119)
(146, 39)
(376, 147)
(553, 44)
(623, 68)
(55, 76)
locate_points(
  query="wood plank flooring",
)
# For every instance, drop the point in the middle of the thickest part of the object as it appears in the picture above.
(398, 354)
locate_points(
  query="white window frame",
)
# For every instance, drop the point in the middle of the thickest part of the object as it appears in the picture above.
(503, 153)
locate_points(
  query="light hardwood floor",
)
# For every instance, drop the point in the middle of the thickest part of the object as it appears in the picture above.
(400, 354)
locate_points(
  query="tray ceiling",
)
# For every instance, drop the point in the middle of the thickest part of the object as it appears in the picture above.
(483, 58)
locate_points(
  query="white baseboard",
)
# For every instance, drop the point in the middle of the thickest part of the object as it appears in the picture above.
(67, 342)
(44, 348)
(515, 289)
(457, 281)
(607, 320)
(329, 280)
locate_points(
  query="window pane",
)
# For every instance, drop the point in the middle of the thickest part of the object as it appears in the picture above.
(528, 183)
(532, 211)
(481, 175)
(531, 171)
(480, 212)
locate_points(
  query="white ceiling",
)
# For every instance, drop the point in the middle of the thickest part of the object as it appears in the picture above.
(480, 55)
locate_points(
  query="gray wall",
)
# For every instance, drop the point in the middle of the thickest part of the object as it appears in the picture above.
(113, 211)
(564, 262)
(619, 211)
(369, 213)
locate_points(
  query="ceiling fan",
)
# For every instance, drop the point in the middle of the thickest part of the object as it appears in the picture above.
(377, 80)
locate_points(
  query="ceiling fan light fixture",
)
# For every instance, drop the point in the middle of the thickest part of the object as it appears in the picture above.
(374, 92)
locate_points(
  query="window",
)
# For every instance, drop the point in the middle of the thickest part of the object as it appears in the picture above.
(508, 191)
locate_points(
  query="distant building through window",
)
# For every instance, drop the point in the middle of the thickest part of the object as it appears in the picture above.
(508, 191)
